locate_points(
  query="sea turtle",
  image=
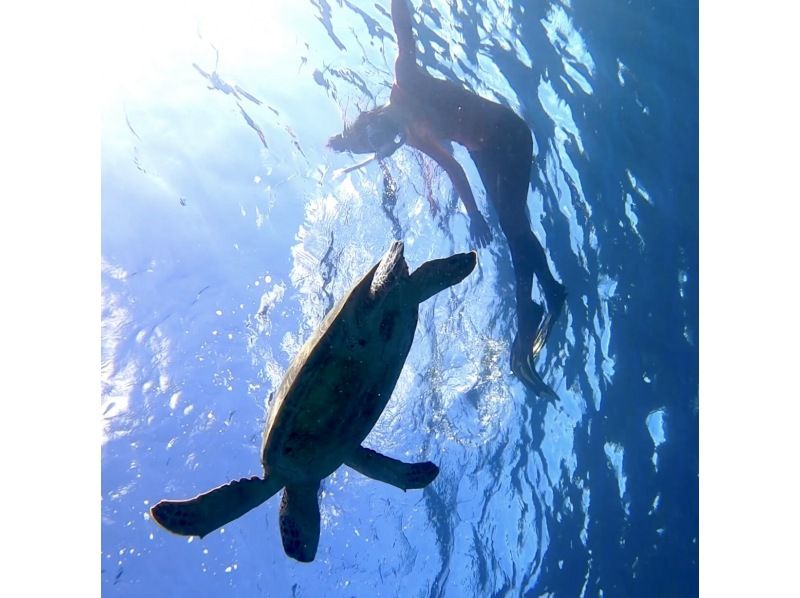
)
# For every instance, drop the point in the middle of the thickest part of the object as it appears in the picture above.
(329, 400)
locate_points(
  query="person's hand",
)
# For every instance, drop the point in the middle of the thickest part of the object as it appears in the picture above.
(479, 230)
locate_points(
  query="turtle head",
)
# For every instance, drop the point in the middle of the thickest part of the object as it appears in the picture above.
(436, 275)
(391, 269)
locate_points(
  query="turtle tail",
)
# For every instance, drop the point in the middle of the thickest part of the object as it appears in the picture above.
(206, 512)
(299, 521)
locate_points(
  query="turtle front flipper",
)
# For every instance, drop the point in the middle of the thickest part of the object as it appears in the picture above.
(203, 514)
(436, 275)
(299, 521)
(379, 467)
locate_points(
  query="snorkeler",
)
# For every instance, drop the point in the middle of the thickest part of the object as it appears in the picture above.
(426, 113)
(216, 82)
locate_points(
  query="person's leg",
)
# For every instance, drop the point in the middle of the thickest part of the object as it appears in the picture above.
(504, 168)
(505, 172)
(534, 325)
(534, 254)
(505, 179)
(529, 313)
(510, 202)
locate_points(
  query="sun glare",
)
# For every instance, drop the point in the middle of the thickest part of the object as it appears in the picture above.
(156, 41)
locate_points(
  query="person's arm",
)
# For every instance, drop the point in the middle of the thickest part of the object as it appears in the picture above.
(478, 227)
(450, 165)
(401, 20)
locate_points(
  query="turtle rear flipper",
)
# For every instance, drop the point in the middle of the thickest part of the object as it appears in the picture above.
(379, 467)
(436, 275)
(203, 514)
(299, 521)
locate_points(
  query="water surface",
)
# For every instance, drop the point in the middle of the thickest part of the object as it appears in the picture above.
(225, 239)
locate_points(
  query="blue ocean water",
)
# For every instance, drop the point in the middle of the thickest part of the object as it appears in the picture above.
(226, 238)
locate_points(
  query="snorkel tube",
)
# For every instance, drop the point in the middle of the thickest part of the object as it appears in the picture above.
(340, 172)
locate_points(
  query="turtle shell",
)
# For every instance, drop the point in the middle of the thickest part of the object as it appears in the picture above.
(340, 381)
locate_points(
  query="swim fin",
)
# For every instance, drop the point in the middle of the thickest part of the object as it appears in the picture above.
(522, 365)
(546, 325)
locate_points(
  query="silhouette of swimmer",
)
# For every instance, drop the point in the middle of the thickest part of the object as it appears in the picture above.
(216, 82)
(426, 113)
(221, 85)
